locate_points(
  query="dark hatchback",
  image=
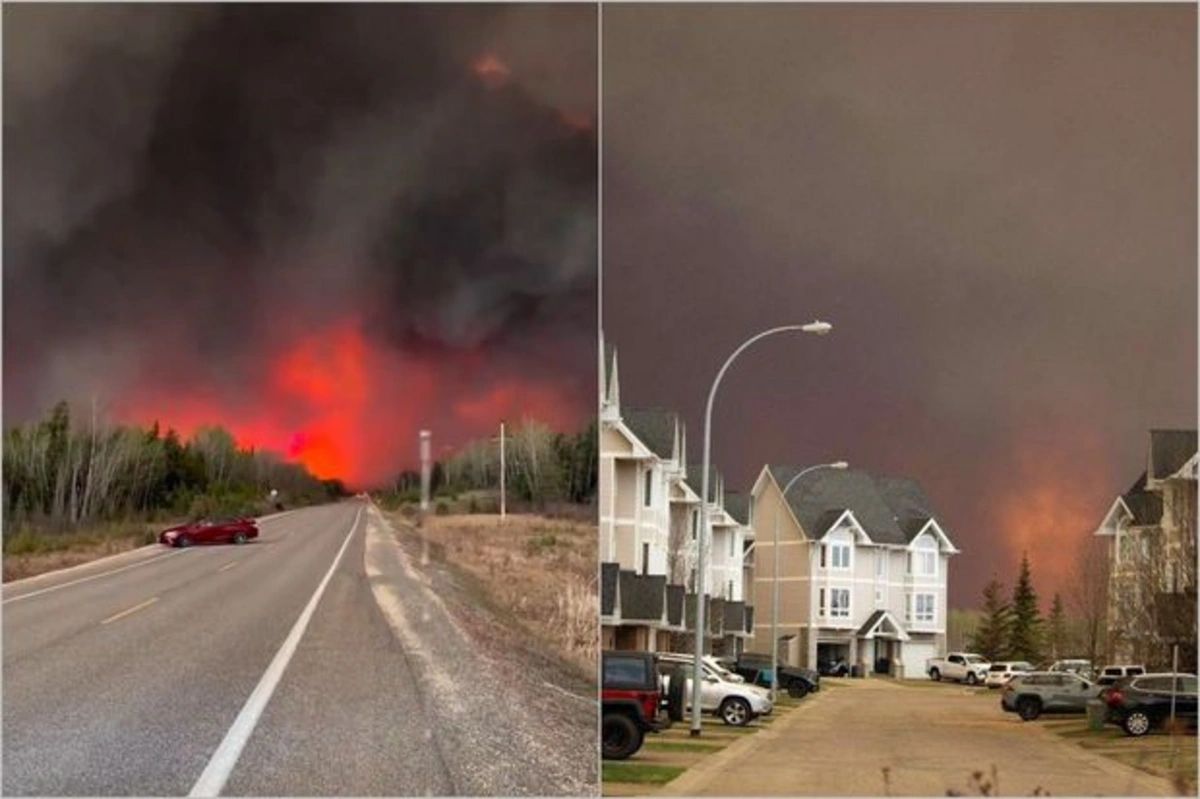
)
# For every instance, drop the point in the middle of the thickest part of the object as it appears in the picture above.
(756, 669)
(1140, 704)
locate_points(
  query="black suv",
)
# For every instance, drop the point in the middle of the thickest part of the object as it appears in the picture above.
(756, 668)
(1139, 704)
(630, 693)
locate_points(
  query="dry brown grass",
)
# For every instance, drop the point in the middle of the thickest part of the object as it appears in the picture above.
(541, 570)
(83, 550)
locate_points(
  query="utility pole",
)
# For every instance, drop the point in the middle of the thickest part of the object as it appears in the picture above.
(425, 469)
(503, 507)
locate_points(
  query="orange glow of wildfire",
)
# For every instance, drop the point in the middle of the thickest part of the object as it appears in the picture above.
(491, 70)
(1050, 504)
(349, 410)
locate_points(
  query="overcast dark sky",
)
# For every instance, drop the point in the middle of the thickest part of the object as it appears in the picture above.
(995, 207)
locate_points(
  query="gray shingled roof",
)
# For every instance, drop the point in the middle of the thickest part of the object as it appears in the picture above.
(891, 509)
(737, 505)
(1170, 450)
(1146, 506)
(655, 427)
(695, 475)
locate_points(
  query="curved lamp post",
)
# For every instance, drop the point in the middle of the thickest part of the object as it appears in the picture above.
(775, 580)
(819, 328)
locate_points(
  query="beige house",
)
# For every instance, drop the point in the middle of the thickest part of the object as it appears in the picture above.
(1151, 530)
(863, 566)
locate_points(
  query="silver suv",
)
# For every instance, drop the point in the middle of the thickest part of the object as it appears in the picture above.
(1031, 695)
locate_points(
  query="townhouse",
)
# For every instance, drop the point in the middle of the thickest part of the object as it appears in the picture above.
(863, 565)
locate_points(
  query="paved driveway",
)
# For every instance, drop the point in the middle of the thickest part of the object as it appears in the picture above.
(929, 737)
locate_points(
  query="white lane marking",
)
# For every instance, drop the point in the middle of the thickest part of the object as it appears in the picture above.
(32, 594)
(217, 772)
(133, 609)
(227, 566)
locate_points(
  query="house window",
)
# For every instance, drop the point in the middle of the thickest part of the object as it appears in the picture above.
(881, 565)
(649, 492)
(824, 611)
(645, 558)
(923, 563)
(729, 591)
(824, 547)
(839, 603)
(920, 608)
(695, 523)
(840, 556)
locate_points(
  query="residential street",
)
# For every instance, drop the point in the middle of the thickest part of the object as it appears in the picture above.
(930, 737)
(132, 677)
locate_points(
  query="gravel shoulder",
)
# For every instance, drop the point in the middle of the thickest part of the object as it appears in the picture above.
(510, 715)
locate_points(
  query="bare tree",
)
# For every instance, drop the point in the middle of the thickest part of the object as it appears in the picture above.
(1087, 597)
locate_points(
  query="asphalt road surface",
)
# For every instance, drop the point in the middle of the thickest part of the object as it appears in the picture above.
(311, 661)
(930, 738)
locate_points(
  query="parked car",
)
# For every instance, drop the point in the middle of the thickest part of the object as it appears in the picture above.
(630, 695)
(735, 703)
(1000, 673)
(833, 667)
(797, 681)
(1030, 695)
(235, 531)
(1139, 704)
(961, 666)
(1079, 666)
(1110, 675)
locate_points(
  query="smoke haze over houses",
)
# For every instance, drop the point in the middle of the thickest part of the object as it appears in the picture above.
(994, 205)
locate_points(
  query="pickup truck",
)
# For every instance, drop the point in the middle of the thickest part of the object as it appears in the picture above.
(960, 666)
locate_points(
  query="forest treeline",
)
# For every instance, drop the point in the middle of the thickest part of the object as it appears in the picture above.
(62, 474)
(542, 467)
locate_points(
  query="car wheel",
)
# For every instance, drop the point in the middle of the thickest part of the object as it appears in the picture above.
(239, 538)
(735, 712)
(1029, 708)
(1137, 723)
(972, 679)
(675, 698)
(183, 541)
(620, 736)
(797, 689)
(935, 675)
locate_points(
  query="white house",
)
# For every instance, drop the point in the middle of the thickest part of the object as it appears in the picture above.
(863, 566)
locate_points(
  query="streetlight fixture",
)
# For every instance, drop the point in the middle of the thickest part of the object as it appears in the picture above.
(775, 580)
(816, 327)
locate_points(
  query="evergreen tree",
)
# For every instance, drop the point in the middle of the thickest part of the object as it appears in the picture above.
(1025, 634)
(1057, 628)
(991, 637)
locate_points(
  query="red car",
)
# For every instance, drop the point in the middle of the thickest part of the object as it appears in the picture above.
(235, 531)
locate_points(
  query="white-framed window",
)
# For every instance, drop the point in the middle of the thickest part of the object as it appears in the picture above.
(695, 523)
(839, 603)
(648, 494)
(835, 555)
(881, 565)
(920, 608)
(729, 591)
(922, 561)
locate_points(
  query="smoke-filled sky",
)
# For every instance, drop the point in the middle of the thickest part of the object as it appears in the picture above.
(324, 226)
(994, 205)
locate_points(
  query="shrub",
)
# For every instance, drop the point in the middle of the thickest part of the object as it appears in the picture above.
(442, 509)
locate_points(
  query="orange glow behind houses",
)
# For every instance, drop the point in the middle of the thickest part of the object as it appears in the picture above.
(348, 409)
(491, 70)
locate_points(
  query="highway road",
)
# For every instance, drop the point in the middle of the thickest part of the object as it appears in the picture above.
(316, 660)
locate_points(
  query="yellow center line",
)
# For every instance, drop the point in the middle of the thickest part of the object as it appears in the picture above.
(229, 565)
(133, 609)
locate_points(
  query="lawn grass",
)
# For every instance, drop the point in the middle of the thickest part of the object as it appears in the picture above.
(644, 773)
(1156, 753)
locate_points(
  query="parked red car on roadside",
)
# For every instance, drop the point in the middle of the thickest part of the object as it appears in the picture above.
(234, 531)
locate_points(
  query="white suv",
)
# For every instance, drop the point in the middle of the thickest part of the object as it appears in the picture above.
(1000, 673)
(735, 703)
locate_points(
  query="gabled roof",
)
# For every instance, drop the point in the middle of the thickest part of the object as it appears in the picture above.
(1169, 451)
(885, 507)
(737, 505)
(1146, 506)
(655, 427)
(876, 620)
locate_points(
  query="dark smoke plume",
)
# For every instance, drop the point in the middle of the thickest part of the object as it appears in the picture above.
(188, 187)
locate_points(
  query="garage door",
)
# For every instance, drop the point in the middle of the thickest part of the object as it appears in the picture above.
(914, 654)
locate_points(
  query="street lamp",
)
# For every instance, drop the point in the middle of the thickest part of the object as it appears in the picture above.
(775, 580)
(819, 328)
